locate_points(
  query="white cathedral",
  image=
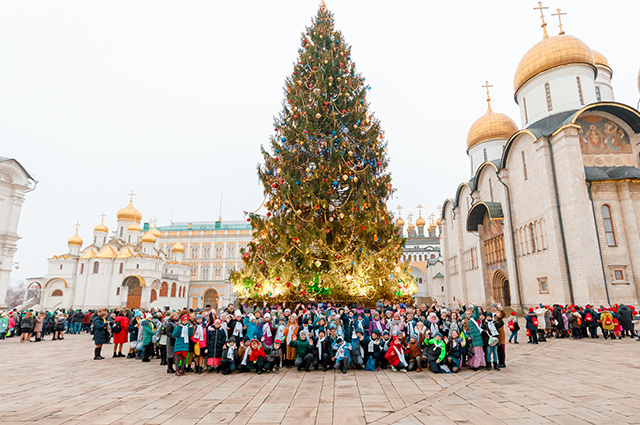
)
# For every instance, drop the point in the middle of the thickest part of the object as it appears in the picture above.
(128, 269)
(551, 213)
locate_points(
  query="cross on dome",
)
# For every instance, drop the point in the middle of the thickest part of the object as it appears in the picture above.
(559, 15)
(77, 226)
(131, 195)
(541, 8)
(487, 86)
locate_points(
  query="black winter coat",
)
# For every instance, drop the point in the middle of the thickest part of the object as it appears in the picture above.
(626, 316)
(216, 339)
(100, 333)
(557, 316)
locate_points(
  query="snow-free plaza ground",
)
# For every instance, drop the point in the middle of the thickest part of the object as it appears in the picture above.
(561, 381)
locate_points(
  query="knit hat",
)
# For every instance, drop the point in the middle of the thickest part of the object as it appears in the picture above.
(199, 316)
(375, 331)
(513, 313)
(184, 317)
(531, 310)
(359, 330)
(277, 341)
(385, 332)
(238, 314)
(138, 313)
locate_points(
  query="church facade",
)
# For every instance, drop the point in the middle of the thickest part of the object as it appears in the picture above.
(15, 182)
(127, 269)
(551, 212)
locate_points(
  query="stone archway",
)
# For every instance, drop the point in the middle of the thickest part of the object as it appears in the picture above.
(134, 293)
(500, 287)
(210, 296)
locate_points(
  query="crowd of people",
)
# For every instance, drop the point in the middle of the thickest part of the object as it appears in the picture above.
(322, 336)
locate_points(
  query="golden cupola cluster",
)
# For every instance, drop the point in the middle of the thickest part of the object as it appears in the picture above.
(400, 222)
(101, 228)
(600, 60)
(134, 228)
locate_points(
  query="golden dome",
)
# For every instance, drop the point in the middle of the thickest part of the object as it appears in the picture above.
(599, 59)
(133, 228)
(551, 53)
(411, 226)
(432, 226)
(157, 233)
(101, 228)
(420, 222)
(490, 126)
(178, 247)
(149, 237)
(439, 221)
(400, 221)
(129, 213)
(75, 240)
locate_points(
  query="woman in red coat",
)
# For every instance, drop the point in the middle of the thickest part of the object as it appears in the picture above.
(122, 337)
(396, 355)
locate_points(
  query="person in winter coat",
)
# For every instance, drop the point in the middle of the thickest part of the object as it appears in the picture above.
(167, 329)
(342, 354)
(372, 348)
(321, 350)
(455, 349)
(216, 340)
(472, 327)
(134, 326)
(39, 324)
(376, 323)
(273, 355)
(120, 330)
(514, 327)
(542, 324)
(416, 359)
(626, 316)
(490, 336)
(498, 319)
(230, 357)
(100, 334)
(532, 326)
(357, 352)
(267, 330)
(257, 357)
(607, 324)
(26, 327)
(199, 340)
(590, 319)
(148, 332)
(303, 347)
(396, 355)
(289, 331)
(4, 325)
(435, 352)
(558, 321)
(182, 334)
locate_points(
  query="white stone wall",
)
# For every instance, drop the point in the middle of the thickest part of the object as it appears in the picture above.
(476, 154)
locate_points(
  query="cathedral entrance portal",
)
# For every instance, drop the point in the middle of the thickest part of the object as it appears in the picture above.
(210, 297)
(135, 292)
(501, 291)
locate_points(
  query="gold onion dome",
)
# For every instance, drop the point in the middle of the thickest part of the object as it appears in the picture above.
(149, 237)
(400, 222)
(101, 228)
(129, 213)
(439, 221)
(157, 233)
(552, 53)
(600, 60)
(177, 248)
(490, 126)
(411, 226)
(75, 240)
(133, 228)
(420, 222)
(432, 226)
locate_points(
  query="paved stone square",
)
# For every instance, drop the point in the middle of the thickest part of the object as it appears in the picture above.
(562, 381)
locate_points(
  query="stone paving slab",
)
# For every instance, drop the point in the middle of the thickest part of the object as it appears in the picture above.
(558, 382)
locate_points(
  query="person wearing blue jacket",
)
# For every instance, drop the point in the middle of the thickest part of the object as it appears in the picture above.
(134, 326)
(342, 354)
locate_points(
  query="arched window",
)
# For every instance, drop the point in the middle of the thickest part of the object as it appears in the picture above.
(205, 273)
(96, 267)
(121, 230)
(154, 295)
(231, 251)
(532, 229)
(524, 166)
(173, 289)
(56, 293)
(194, 251)
(164, 289)
(217, 270)
(608, 226)
(219, 251)
(598, 95)
(547, 89)
(580, 91)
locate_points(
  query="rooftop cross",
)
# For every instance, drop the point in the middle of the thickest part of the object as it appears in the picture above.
(420, 209)
(77, 226)
(541, 8)
(487, 86)
(399, 208)
(559, 15)
(103, 215)
(131, 195)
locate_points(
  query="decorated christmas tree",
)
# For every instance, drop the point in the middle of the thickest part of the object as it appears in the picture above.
(327, 233)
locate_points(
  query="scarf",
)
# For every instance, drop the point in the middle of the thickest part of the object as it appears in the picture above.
(237, 330)
(378, 324)
(434, 328)
(230, 353)
(399, 353)
(411, 326)
(266, 330)
(319, 344)
(371, 345)
(291, 329)
(280, 332)
(340, 351)
(244, 357)
(199, 333)
(492, 328)
(185, 333)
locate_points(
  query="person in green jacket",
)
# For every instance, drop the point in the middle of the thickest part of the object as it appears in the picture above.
(182, 334)
(304, 356)
(473, 329)
(148, 332)
(435, 351)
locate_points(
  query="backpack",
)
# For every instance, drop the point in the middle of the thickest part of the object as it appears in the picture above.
(511, 326)
(588, 317)
(607, 321)
(117, 327)
(579, 320)
(534, 321)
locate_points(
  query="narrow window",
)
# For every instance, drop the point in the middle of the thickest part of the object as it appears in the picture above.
(598, 95)
(82, 268)
(484, 153)
(121, 230)
(526, 116)
(532, 229)
(490, 190)
(60, 266)
(524, 166)
(580, 90)
(118, 290)
(121, 267)
(96, 267)
(608, 226)
(547, 89)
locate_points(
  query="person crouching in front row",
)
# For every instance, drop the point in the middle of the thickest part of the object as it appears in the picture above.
(342, 356)
(229, 357)
(396, 355)
(273, 356)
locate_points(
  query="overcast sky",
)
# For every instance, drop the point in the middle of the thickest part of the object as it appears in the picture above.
(173, 99)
